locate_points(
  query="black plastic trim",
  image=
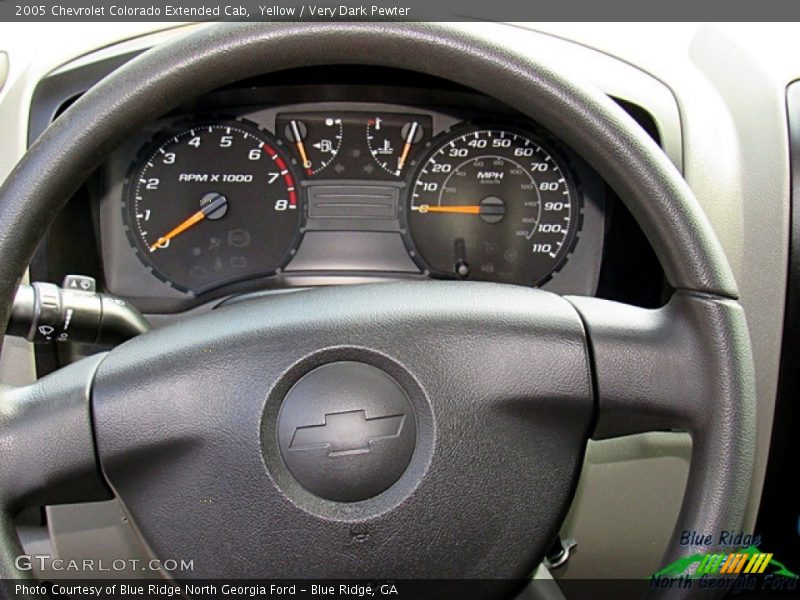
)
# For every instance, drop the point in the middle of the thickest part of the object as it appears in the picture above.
(779, 514)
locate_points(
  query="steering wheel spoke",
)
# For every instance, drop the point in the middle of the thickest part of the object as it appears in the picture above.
(666, 368)
(686, 366)
(47, 440)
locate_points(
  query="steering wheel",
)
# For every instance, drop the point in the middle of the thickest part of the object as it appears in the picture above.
(461, 410)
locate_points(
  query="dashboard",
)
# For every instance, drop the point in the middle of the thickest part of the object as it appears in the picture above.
(265, 187)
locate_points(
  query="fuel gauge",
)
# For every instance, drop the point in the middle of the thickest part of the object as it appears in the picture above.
(316, 139)
(392, 139)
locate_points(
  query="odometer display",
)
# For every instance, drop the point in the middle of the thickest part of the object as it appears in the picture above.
(492, 204)
(212, 203)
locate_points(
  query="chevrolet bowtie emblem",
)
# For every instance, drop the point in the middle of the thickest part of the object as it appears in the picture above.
(349, 432)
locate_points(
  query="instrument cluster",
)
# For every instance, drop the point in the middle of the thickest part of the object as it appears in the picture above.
(332, 188)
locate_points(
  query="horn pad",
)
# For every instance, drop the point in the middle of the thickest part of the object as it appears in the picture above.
(408, 430)
(346, 431)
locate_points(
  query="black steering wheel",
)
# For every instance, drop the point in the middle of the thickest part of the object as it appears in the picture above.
(497, 388)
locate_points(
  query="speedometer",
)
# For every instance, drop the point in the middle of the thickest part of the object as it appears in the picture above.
(492, 204)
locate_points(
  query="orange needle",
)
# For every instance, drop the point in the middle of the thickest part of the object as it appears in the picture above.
(412, 133)
(193, 220)
(213, 208)
(462, 209)
(303, 156)
(402, 160)
(298, 141)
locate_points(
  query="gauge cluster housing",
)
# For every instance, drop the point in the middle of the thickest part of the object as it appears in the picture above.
(606, 253)
(354, 210)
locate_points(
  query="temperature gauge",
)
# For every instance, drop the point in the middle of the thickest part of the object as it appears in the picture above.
(316, 139)
(392, 139)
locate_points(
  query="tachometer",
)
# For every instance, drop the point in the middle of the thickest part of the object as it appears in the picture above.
(212, 203)
(492, 204)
